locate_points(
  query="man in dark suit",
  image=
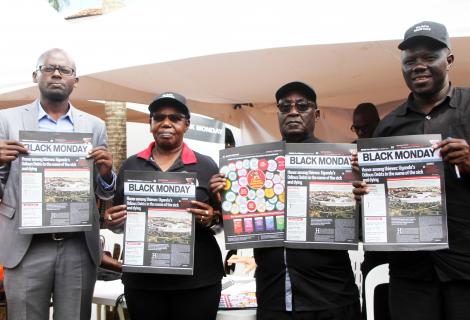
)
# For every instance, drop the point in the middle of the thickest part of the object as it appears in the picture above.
(61, 266)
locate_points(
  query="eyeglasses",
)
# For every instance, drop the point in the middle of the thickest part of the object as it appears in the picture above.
(285, 106)
(63, 70)
(174, 117)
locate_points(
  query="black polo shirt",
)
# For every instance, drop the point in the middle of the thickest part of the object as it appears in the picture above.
(311, 279)
(451, 118)
(208, 267)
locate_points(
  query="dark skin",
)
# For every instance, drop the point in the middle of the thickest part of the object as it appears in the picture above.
(364, 125)
(108, 262)
(425, 69)
(297, 126)
(294, 126)
(55, 90)
(168, 137)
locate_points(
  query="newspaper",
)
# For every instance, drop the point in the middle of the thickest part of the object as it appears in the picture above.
(238, 293)
(159, 232)
(254, 199)
(320, 207)
(405, 208)
(56, 188)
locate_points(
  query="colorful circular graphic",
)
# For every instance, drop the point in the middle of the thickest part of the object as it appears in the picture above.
(230, 196)
(242, 172)
(241, 200)
(278, 188)
(268, 184)
(243, 181)
(235, 186)
(256, 178)
(235, 209)
(261, 206)
(232, 175)
(281, 163)
(228, 184)
(260, 193)
(272, 165)
(224, 170)
(243, 208)
(263, 164)
(269, 206)
(254, 185)
(251, 205)
(277, 178)
(246, 164)
(280, 206)
(226, 205)
(243, 191)
(254, 163)
(269, 193)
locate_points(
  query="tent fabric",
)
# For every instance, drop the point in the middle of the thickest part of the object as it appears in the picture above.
(220, 54)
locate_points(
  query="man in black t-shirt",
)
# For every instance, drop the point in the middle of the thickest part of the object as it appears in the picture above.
(301, 283)
(433, 285)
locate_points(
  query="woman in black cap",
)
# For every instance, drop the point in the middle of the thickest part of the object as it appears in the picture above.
(163, 296)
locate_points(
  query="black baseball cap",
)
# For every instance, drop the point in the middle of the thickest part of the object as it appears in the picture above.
(425, 30)
(170, 98)
(296, 86)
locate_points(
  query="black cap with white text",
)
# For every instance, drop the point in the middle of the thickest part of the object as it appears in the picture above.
(425, 30)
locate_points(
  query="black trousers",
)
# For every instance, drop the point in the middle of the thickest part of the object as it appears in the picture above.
(349, 312)
(429, 300)
(195, 304)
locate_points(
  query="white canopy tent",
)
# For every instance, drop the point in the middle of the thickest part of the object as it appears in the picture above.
(219, 54)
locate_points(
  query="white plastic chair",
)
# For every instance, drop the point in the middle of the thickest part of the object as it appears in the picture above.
(375, 277)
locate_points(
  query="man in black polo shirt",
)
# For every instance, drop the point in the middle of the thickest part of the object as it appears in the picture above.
(297, 283)
(433, 285)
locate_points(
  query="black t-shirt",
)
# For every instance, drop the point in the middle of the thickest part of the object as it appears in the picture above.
(208, 267)
(451, 118)
(319, 279)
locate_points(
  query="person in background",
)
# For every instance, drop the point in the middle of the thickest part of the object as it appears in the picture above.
(433, 285)
(365, 120)
(62, 266)
(164, 296)
(299, 283)
(229, 139)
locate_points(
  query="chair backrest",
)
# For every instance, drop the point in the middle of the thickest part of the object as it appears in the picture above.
(375, 277)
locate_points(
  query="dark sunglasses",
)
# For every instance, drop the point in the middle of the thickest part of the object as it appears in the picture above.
(285, 106)
(173, 117)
